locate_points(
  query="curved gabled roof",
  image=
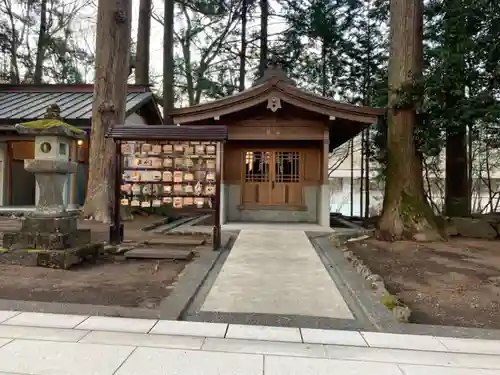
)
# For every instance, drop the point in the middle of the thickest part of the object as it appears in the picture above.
(274, 84)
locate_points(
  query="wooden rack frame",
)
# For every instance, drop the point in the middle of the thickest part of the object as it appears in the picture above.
(214, 135)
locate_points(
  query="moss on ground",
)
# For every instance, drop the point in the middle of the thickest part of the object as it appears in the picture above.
(5, 250)
(389, 301)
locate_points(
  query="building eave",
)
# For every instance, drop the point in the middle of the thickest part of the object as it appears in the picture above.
(282, 90)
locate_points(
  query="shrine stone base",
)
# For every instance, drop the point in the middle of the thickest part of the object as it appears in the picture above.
(54, 242)
(62, 259)
(47, 233)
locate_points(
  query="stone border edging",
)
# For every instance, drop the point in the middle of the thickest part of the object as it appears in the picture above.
(413, 328)
(155, 225)
(445, 331)
(79, 309)
(194, 312)
(399, 310)
(377, 314)
(168, 226)
(174, 306)
(179, 304)
(341, 220)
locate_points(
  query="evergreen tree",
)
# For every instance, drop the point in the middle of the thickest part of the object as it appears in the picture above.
(406, 212)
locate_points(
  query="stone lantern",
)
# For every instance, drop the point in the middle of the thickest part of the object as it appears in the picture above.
(51, 165)
(50, 226)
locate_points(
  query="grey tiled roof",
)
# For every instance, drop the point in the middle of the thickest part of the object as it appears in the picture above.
(74, 105)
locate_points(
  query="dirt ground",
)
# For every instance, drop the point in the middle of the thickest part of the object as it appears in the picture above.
(448, 283)
(130, 283)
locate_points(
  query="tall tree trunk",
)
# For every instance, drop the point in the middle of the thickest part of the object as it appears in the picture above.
(457, 202)
(143, 43)
(141, 65)
(470, 166)
(367, 82)
(108, 109)
(168, 61)
(406, 213)
(367, 173)
(264, 20)
(361, 174)
(40, 47)
(324, 67)
(243, 52)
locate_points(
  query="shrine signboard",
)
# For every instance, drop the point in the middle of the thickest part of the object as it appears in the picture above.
(173, 167)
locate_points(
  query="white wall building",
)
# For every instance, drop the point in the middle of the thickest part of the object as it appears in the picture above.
(486, 181)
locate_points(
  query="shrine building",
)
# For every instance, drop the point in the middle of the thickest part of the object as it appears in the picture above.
(275, 162)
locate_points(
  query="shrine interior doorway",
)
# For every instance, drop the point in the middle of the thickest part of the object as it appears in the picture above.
(272, 178)
(271, 181)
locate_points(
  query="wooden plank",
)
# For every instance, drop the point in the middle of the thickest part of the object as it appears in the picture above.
(159, 253)
(178, 240)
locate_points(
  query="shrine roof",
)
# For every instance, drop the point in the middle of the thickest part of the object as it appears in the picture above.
(275, 84)
(26, 102)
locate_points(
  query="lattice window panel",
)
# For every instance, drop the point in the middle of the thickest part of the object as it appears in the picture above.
(287, 166)
(257, 166)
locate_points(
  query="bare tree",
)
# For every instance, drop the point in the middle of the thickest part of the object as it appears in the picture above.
(243, 52)
(39, 35)
(206, 35)
(40, 50)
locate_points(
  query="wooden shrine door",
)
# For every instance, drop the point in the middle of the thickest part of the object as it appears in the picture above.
(272, 178)
(286, 185)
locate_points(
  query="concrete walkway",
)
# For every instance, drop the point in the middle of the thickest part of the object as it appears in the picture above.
(275, 272)
(50, 344)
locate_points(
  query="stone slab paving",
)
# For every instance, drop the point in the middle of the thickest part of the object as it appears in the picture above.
(275, 272)
(97, 346)
(46, 320)
(107, 323)
(248, 332)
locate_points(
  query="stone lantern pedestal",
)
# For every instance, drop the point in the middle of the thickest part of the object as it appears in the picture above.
(51, 232)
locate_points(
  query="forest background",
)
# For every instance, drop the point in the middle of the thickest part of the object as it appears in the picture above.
(335, 48)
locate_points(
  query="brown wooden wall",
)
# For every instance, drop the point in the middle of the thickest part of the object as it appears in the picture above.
(232, 163)
(312, 166)
(21, 150)
(276, 129)
(83, 153)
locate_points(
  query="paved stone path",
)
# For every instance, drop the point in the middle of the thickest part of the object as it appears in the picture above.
(275, 272)
(51, 344)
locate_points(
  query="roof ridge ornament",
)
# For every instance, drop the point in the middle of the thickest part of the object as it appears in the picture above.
(53, 112)
(274, 71)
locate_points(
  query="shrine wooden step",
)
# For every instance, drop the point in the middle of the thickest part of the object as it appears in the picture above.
(175, 241)
(159, 253)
